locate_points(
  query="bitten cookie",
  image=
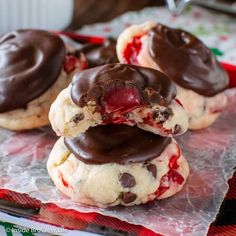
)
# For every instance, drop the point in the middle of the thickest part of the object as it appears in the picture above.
(199, 77)
(117, 164)
(34, 67)
(119, 94)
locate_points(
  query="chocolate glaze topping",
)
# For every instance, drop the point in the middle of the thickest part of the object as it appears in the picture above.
(30, 62)
(100, 54)
(97, 83)
(186, 60)
(116, 143)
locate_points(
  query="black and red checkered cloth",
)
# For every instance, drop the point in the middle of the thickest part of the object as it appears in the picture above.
(24, 206)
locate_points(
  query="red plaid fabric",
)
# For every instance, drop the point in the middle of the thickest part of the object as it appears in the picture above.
(22, 204)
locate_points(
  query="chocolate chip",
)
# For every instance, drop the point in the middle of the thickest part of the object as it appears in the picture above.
(204, 106)
(78, 117)
(93, 94)
(151, 96)
(165, 115)
(169, 111)
(155, 114)
(162, 115)
(128, 197)
(127, 180)
(126, 115)
(83, 100)
(152, 168)
(77, 53)
(177, 129)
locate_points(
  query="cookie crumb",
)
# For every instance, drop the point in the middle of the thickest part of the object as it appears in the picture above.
(78, 117)
(162, 115)
(177, 129)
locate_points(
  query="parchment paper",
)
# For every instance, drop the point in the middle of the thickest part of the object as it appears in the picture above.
(211, 154)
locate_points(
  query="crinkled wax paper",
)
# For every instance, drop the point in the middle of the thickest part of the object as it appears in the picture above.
(211, 154)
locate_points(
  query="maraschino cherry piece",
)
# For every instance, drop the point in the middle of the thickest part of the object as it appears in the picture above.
(122, 99)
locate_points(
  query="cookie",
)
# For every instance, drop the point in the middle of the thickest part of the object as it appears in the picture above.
(117, 164)
(100, 54)
(34, 67)
(199, 77)
(119, 94)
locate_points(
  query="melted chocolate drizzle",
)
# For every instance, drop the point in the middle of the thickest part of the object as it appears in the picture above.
(30, 62)
(96, 83)
(100, 54)
(186, 60)
(116, 144)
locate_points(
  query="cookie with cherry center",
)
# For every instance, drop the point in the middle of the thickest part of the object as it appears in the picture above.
(199, 77)
(35, 66)
(119, 94)
(116, 124)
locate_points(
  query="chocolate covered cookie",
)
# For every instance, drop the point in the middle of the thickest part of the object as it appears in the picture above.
(199, 77)
(34, 67)
(119, 94)
(117, 164)
(100, 54)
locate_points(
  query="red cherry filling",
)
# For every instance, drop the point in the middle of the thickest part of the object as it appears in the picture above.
(172, 175)
(117, 103)
(162, 189)
(178, 101)
(132, 50)
(118, 119)
(216, 110)
(85, 65)
(173, 160)
(63, 180)
(70, 63)
(150, 121)
(122, 99)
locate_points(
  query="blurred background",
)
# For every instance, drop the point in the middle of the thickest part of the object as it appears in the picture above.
(91, 11)
(72, 14)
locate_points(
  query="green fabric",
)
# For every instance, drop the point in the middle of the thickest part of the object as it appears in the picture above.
(217, 52)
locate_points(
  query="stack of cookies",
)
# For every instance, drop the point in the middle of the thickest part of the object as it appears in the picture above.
(117, 124)
(116, 121)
